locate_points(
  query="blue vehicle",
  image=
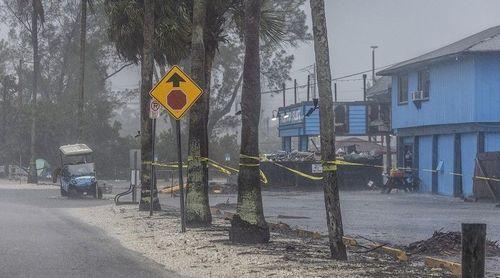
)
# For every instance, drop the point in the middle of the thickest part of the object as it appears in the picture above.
(77, 176)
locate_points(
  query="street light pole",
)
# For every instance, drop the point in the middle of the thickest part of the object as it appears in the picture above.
(373, 47)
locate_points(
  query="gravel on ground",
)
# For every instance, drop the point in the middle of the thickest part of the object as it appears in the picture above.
(207, 252)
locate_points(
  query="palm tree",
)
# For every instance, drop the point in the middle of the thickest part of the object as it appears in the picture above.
(37, 13)
(249, 224)
(332, 203)
(197, 204)
(145, 32)
(216, 14)
(147, 67)
(83, 42)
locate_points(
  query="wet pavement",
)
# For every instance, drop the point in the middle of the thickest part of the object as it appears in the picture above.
(37, 239)
(398, 218)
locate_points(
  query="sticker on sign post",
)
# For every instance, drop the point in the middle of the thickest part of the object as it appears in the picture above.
(154, 109)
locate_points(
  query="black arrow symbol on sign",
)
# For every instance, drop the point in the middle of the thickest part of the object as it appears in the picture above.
(176, 80)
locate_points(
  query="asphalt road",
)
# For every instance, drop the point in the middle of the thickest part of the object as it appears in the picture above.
(37, 239)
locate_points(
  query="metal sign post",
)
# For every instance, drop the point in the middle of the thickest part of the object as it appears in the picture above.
(177, 92)
(154, 113)
(152, 179)
(181, 181)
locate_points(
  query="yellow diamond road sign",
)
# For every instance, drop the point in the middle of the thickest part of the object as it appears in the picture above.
(177, 92)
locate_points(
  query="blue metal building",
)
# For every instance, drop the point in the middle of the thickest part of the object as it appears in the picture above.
(356, 118)
(446, 110)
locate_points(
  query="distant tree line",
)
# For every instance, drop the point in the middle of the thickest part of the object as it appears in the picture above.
(58, 87)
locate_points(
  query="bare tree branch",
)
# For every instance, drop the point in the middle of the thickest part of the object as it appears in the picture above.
(117, 71)
(216, 116)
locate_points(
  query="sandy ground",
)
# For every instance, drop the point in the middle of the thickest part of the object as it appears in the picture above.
(208, 253)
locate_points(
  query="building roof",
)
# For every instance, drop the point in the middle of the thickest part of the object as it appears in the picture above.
(381, 90)
(77, 149)
(485, 41)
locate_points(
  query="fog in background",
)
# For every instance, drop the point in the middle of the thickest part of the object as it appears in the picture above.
(401, 29)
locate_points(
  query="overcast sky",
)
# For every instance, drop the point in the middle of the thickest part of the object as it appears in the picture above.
(401, 28)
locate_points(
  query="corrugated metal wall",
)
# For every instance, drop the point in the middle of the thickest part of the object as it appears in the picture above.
(469, 150)
(312, 122)
(487, 99)
(451, 97)
(357, 119)
(425, 162)
(445, 154)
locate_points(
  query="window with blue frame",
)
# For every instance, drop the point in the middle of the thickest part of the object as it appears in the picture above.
(403, 89)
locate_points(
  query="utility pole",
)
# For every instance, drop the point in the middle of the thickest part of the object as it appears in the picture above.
(373, 47)
(335, 91)
(33, 175)
(295, 91)
(364, 87)
(81, 87)
(284, 90)
(308, 86)
(327, 120)
(315, 81)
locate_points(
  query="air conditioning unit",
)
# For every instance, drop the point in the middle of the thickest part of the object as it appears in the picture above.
(417, 96)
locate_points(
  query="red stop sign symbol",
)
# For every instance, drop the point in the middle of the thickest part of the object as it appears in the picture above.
(177, 99)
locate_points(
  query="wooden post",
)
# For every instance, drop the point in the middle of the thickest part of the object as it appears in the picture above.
(284, 89)
(295, 91)
(434, 164)
(335, 91)
(388, 151)
(457, 166)
(364, 87)
(473, 250)
(308, 86)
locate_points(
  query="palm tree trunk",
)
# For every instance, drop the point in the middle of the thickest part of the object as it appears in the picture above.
(81, 87)
(147, 64)
(249, 224)
(197, 203)
(32, 175)
(332, 203)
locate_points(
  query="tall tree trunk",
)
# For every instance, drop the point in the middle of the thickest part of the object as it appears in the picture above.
(332, 203)
(197, 204)
(32, 175)
(147, 64)
(81, 87)
(249, 224)
(64, 63)
(4, 111)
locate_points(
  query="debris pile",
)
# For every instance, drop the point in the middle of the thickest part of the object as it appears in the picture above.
(292, 156)
(447, 243)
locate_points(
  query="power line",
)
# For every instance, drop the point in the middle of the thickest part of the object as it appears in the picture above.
(331, 80)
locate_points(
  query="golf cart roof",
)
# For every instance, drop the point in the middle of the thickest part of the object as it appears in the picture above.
(76, 149)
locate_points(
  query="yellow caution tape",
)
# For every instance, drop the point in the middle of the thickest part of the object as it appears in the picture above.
(297, 172)
(250, 157)
(486, 178)
(328, 166)
(263, 177)
(164, 165)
